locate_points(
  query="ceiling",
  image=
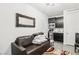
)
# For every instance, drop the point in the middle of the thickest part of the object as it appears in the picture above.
(55, 9)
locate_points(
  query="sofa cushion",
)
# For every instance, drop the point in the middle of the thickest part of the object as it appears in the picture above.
(36, 49)
(39, 33)
(24, 40)
(27, 41)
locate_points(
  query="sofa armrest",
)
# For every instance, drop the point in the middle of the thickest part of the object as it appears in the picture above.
(17, 50)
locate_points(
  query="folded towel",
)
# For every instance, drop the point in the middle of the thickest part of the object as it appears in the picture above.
(39, 39)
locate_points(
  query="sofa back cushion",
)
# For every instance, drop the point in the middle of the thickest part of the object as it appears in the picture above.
(39, 33)
(24, 40)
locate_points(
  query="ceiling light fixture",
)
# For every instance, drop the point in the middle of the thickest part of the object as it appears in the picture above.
(50, 4)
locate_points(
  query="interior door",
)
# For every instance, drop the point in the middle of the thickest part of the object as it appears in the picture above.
(69, 36)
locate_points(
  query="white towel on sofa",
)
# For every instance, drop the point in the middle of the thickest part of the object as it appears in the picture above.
(39, 39)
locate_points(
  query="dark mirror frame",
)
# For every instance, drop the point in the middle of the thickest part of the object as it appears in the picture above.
(24, 25)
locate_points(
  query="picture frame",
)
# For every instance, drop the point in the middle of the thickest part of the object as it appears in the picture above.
(24, 21)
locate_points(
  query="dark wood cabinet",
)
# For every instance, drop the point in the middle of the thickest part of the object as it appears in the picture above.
(57, 20)
(51, 20)
(58, 37)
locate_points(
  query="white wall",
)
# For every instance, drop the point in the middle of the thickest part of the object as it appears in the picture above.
(9, 32)
(71, 26)
(56, 16)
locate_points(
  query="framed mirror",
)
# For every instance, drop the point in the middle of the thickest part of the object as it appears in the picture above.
(24, 21)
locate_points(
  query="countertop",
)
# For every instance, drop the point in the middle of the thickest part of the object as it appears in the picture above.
(58, 30)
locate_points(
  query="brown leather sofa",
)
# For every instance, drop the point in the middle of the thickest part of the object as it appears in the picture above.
(23, 46)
